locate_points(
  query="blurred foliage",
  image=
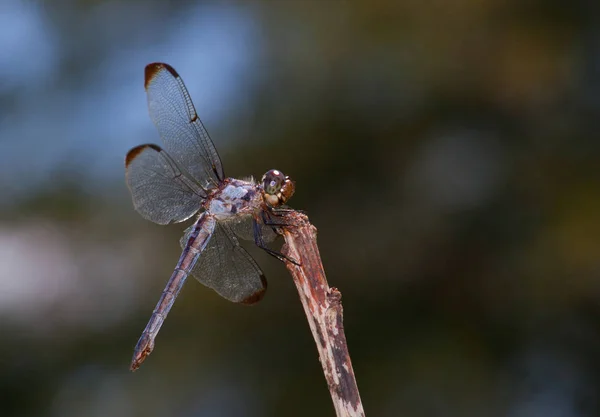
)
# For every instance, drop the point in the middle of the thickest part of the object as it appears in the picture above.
(447, 153)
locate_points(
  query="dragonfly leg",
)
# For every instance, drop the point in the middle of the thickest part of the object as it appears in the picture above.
(258, 240)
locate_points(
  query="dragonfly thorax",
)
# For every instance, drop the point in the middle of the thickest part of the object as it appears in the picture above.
(235, 198)
(277, 188)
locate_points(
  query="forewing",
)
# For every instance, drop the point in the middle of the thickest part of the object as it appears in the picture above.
(161, 192)
(184, 135)
(228, 269)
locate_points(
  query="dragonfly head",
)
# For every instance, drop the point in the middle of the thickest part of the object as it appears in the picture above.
(277, 188)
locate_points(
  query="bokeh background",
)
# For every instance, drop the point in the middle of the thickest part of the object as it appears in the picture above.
(447, 151)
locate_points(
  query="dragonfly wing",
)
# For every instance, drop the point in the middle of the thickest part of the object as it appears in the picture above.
(242, 227)
(228, 269)
(179, 126)
(161, 192)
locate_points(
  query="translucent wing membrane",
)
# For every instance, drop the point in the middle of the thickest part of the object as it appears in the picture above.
(161, 192)
(184, 135)
(243, 228)
(227, 268)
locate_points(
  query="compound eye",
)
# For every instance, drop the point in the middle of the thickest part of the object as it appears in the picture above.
(272, 181)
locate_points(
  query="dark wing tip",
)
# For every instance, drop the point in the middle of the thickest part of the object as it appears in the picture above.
(135, 152)
(258, 295)
(152, 70)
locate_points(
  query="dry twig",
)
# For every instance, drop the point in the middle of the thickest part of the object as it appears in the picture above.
(323, 308)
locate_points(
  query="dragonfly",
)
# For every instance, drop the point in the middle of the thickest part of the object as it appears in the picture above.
(186, 178)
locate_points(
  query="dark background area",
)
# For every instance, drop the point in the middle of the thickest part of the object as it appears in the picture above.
(447, 152)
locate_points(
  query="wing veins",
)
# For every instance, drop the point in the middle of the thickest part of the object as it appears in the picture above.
(179, 172)
(172, 110)
(202, 148)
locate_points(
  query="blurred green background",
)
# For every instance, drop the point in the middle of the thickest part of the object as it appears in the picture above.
(447, 152)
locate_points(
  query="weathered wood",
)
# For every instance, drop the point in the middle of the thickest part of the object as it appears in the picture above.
(323, 308)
